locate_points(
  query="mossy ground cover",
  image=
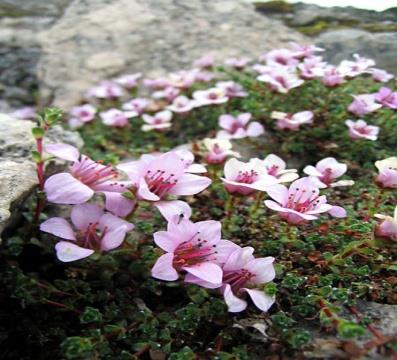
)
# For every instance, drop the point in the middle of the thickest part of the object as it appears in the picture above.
(109, 307)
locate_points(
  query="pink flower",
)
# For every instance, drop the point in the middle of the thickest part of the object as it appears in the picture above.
(357, 67)
(212, 96)
(363, 104)
(205, 62)
(159, 121)
(387, 177)
(386, 97)
(169, 93)
(301, 202)
(84, 179)
(239, 127)
(203, 76)
(361, 130)
(232, 89)
(242, 272)
(128, 81)
(156, 177)
(292, 121)
(332, 76)
(183, 79)
(138, 105)
(380, 75)
(237, 63)
(25, 113)
(187, 159)
(262, 69)
(275, 166)
(106, 90)
(158, 83)
(281, 80)
(85, 113)
(192, 248)
(218, 150)
(116, 118)
(182, 104)
(95, 231)
(388, 227)
(283, 57)
(246, 178)
(327, 171)
(304, 51)
(312, 67)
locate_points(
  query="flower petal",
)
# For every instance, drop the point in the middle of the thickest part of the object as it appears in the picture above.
(113, 238)
(233, 303)
(173, 207)
(206, 271)
(112, 222)
(63, 151)
(338, 212)
(239, 258)
(163, 268)
(190, 184)
(118, 204)
(210, 231)
(59, 227)
(63, 188)
(84, 214)
(255, 129)
(67, 251)
(260, 299)
(262, 268)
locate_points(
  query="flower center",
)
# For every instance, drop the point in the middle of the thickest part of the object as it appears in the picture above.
(295, 201)
(236, 126)
(363, 130)
(159, 182)
(282, 81)
(247, 177)
(273, 170)
(92, 237)
(327, 176)
(92, 173)
(237, 278)
(193, 252)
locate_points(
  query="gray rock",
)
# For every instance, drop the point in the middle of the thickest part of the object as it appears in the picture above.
(17, 8)
(384, 319)
(17, 170)
(341, 44)
(96, 39)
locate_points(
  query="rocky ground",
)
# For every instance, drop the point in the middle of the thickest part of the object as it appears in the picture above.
(342, 31)
(50, 52)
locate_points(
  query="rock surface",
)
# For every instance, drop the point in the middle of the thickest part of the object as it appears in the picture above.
(342, 31)
(17, 170)
(95, 39)
(20, 23)
(340, 44)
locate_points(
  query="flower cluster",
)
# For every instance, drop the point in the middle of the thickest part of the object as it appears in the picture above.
(106, 197)
(197, 252)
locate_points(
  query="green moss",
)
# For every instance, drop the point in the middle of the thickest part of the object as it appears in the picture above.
(320, 25)
(274, 7)
(11, 11)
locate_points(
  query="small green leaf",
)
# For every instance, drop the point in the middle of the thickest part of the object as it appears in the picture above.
(128, 195)
(38, 132)
(36, 156)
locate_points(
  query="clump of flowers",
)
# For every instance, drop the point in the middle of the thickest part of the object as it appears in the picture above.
(361, 130)
(176, 165)
(238, 127)
(301, 202)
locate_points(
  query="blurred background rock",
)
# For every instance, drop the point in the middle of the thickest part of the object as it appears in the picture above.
(52, 51)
